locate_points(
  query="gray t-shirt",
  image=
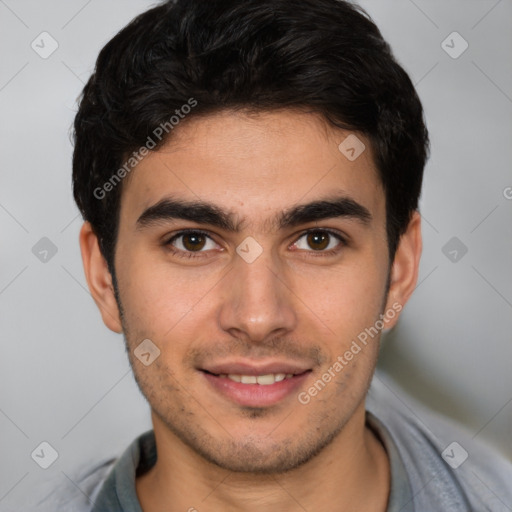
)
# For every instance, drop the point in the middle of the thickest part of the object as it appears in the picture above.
(435, 467)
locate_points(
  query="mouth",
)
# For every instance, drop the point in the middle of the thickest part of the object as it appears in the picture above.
(252, 386)
(263, 380)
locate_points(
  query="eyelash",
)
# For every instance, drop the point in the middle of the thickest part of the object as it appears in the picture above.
(186, 254)
(199, 254)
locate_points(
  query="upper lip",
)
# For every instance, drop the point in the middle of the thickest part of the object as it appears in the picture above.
(256, 368)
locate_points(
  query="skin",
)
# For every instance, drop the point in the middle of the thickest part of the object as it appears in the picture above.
(294, 302)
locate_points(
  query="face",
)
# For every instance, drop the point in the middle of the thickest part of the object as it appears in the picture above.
(252, 252)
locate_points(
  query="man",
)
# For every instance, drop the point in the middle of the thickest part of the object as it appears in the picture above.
(249, 175)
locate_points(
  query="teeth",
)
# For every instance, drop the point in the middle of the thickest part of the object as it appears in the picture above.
(264, 380)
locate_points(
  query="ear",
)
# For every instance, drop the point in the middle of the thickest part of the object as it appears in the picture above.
(404, 271)
(99, 278)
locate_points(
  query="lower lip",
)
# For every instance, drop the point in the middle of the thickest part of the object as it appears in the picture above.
(256, 395)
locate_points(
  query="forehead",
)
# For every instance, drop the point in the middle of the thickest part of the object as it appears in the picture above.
(255, 165)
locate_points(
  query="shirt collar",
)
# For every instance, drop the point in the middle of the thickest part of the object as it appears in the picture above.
(401, 496)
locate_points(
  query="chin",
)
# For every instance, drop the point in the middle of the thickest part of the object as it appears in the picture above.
(263, 456)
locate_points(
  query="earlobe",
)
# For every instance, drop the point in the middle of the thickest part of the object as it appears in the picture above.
(404, 271)
(99, 278)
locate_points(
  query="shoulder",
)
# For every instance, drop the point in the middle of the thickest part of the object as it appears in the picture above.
(444, 462)
(74, 492)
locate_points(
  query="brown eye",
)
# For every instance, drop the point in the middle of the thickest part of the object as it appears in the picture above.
(318, 240)
(193, 241)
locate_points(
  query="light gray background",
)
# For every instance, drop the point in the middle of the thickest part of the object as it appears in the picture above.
(65, 378)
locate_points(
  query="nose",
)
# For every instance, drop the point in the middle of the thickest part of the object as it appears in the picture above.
(258, 304)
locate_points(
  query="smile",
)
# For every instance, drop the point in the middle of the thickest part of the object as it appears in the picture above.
(264, 380)
(255, 390)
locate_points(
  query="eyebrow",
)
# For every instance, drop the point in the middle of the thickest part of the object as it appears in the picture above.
(169, 209)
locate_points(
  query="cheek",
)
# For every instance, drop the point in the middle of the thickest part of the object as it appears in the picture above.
(158, 300)
(346, 299)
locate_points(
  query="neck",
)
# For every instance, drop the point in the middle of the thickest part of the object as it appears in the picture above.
(338, 478)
